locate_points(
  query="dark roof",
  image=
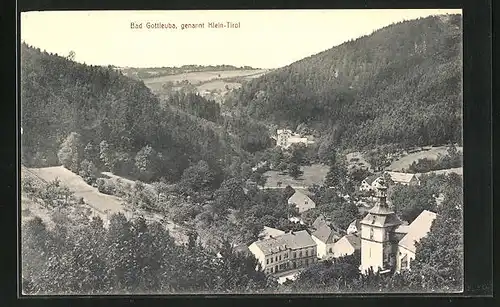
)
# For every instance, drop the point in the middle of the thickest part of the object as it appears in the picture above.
(326, 235)
(357, 223)
(381, 220)
(370, 179)
(355, 240)
(319, 221)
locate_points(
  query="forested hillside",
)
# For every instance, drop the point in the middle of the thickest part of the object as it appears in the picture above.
(114, 122)
(399, 85)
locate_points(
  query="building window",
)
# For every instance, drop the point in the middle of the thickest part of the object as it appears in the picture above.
(300, 254)
(369, 253)
(293, 254)
(404, 262)
(307, 261)
(276, 258)
(330, 250)
(271, 259)
(371, 233)
(307, 253)
(267, 261)
(280, 257)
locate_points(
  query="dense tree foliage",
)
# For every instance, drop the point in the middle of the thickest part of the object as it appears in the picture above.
(67, 106)
(401, 85)
(128, 256)
(438, 263)
(196, 105)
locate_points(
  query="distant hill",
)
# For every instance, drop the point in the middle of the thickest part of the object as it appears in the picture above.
(59, 96)
(400, 85)
(211, 84)
(152, 72)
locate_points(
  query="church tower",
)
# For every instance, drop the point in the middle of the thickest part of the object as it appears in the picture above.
(378, 241)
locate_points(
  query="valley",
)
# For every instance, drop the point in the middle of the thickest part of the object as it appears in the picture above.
(227, 179)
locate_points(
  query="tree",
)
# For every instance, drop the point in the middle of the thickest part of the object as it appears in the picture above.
(106, 155)
(294, 170)
(198, 177)
(288, 191)
(298, 154)
(71, 153)
(337, 175)
(259, 178)
(439, 255)
(161, 187)
(229, 195)
(91, 153)
(410, 201)
(146, 163)
(71, 55)
(88, 171)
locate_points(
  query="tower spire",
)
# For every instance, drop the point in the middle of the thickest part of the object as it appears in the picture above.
(381, 206)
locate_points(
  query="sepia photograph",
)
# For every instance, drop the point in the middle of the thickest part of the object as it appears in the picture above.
(241, 152)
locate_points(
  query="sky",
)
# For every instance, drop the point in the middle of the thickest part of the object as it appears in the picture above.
(264, 39)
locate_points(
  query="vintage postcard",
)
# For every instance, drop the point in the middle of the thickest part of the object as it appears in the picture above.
(241, 152)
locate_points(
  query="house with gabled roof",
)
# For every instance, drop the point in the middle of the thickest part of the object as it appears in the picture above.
(354, 227)
(325, 237)
(347, 245)
(417, 230)
(289, 251)
(301, 201)
(404, 178)
(369, 183)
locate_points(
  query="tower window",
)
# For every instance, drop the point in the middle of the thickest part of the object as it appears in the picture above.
(371, 233)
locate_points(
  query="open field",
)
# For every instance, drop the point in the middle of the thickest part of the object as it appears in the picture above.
(196, 78)
(218, 85)
(314, 174)
(407, 160)
(458, 170)
(99, 203)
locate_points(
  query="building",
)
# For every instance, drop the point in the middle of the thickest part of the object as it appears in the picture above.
(289, 251)
(378, 241)
(319, 222)
(286, 138)
(354, 227)
(387, 243)
(404, 178)
(325, 238)
(301, 201)
(369, 183)
(269, 232)
(413, 233)
(347, 245)
(296, 220)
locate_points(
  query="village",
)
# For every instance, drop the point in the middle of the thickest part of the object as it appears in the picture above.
(336, 169)
(384, 242)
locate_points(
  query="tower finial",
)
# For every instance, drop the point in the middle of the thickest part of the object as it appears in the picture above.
(381, 193)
